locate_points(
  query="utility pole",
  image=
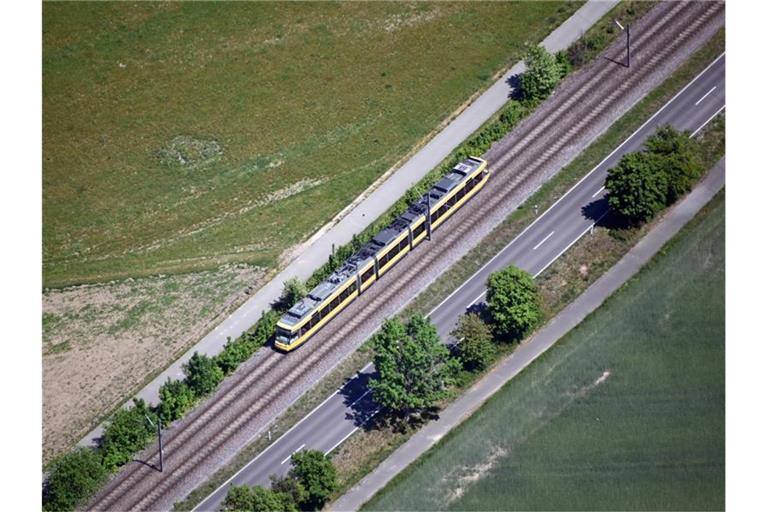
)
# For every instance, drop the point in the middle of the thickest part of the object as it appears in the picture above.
(429, 219)
(159, 436)
(627, 31)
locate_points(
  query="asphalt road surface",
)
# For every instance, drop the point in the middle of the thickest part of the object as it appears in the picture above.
(540, 244)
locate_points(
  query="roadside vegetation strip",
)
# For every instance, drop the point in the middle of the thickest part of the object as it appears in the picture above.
(632, 418)
(242, 117)
(384, 444)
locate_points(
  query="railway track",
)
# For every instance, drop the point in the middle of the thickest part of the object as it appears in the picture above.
(224, 422)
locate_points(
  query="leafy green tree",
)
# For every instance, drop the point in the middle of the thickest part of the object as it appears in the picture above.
(128, 431)
(293, 291)
(678, 159)
(242, 498)
(474, 342)
(413, 367)
(73, 479)
(292, 491)
(316, 473)
(542, 74)
(202, 374)
(176, 398)
(513, 302)
(637, 187)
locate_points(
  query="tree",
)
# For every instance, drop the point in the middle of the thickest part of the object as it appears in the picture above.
(176, 398)
(316, 473)
(73, 478)
(513, 302)
(128, 432)
(202, 374)
(474, 342)
(291, 490)
(678, 159)
(541, 75)
(293, 291)
(413, 367)
(256, 499)
(637, 186)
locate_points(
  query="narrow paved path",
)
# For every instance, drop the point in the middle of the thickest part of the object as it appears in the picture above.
(387, 193)
(545, 338)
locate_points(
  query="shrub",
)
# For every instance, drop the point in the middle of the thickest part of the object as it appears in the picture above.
(73, 479)
(202, 374)
(541, 75)
(128, 431)
(475, 346)
(293, 291)
(513, 302)
(316, 473)
(176, 398)
(637, 187)
(257, 499)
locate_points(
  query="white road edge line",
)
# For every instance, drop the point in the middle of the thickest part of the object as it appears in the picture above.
(491, 261)
(374, 413)
(702, 98)
(291, 455)
(529, 226)
(707, 121)
(478, 298)
(545, 239)
(600, 190)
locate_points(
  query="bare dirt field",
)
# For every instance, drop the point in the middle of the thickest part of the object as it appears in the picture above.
(101, 342)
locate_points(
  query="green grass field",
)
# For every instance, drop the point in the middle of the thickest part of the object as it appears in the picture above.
(182, 136)
(627, 412)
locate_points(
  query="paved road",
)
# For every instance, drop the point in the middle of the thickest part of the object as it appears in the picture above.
(387, 193)
(533, 250)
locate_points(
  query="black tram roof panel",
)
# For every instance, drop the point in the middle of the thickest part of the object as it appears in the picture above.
(389, 233)
(449, 182)
(299, 311)
(323, 290)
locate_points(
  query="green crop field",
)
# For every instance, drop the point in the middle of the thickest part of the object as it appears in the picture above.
(627, 412)
(181, 136)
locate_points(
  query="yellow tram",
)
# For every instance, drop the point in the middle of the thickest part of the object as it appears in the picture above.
(376, 257)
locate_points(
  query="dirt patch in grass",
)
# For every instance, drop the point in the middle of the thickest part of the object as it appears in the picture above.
(102, 342)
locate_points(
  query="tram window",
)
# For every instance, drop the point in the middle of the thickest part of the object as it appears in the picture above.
(367, 274)
(404, 243)
(351, 289)
(325, 311)
(419, 229)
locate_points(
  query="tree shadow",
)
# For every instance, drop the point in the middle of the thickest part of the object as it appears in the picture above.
(603, 215)
(481, 309)
(513, 81)
(358, 399)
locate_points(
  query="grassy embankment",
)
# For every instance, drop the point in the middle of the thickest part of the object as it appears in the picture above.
(626, 412)
(180, 137)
